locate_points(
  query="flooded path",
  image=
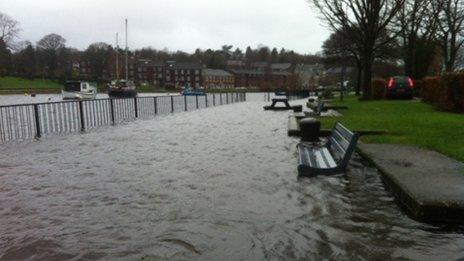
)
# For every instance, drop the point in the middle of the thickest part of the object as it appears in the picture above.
(216, 184)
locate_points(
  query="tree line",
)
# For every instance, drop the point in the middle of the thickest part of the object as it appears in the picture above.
(51, 58)
(423, 36)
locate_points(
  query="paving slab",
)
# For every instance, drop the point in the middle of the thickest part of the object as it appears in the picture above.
(428, 184)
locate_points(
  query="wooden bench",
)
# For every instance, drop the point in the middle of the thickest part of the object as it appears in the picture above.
(328, 159)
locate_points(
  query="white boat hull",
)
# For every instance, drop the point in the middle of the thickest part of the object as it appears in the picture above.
(78, 95)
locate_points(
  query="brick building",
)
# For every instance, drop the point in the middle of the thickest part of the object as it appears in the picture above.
(266, 76)
(146, 72)
(217, 79)
(182, 74)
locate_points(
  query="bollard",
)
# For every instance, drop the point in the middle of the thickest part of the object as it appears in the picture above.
(310, 128)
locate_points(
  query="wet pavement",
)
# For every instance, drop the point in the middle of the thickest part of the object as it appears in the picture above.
(215, 184)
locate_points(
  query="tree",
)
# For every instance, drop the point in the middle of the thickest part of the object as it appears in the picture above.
(237, 54)
(25, 64)
(336, 49)
(366, 21)
(49, 48)
(264, 54)
(5, 58)
(416, 23)
(274, 55)
(450, 21)
(97, 56)
(9, 29)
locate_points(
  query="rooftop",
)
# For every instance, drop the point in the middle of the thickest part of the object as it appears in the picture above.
(216, 72)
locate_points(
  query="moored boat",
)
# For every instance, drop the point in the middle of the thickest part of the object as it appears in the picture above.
(122, 89)
(79, 90)
(191, 92)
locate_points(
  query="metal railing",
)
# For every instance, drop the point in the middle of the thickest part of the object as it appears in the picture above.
(28, 121)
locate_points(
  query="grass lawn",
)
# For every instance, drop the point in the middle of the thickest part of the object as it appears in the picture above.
(16, 83)
(408, 122)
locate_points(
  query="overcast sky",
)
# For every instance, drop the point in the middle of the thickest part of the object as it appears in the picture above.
(173, 24)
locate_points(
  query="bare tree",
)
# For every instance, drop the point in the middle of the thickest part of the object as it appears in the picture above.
(415, 22)
(451, 25)
(50, 47)
(9, 29)
(366, 20)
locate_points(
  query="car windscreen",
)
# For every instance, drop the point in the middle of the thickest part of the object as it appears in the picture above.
(72, 86)
(401, 80)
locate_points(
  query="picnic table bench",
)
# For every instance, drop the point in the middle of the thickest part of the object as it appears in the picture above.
(329, 158)
(285, 102)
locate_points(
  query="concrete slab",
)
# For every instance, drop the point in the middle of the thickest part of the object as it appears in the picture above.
(428, 184)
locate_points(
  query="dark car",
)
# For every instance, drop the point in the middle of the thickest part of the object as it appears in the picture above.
(400, 87)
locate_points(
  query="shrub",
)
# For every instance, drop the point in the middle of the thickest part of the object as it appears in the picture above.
(326, 95)
(453, 92)
(446, 92)
(431, 89)
(379, 89)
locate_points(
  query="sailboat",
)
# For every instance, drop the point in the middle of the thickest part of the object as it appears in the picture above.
(122, 88)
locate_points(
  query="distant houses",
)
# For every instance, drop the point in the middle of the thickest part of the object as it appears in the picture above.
(259, 75)
(218, 79)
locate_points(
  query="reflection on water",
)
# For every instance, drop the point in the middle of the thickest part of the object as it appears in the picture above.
(217, 184)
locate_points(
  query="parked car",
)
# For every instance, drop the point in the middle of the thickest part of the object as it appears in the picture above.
(401, 87)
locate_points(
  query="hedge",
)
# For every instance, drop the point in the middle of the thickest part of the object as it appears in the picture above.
(445, 92)
(379, 89)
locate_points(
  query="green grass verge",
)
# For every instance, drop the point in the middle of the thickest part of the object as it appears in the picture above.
(408, 122)
(16, 83)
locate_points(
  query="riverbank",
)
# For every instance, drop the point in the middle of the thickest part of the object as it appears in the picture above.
(405, 123)
(17, 85)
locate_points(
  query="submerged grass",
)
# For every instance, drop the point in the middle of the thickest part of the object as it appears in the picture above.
(407, 122)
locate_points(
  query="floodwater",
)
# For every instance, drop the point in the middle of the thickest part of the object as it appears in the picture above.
(215, 184)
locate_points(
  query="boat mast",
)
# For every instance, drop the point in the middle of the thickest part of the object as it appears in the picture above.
(127, 62)
(117, 56)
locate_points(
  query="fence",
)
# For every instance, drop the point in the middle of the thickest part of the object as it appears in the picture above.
(28, 121)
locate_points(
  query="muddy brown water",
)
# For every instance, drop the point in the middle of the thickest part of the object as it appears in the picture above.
(215, 184)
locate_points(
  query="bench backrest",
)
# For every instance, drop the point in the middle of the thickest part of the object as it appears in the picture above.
(342, 143)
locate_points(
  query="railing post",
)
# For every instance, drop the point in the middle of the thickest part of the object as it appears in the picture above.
(112, 110)
(214, 99)
(156, 105)
(220, 98)
(172, 104)
(81, 112)
(38, 133)
(196, 97)
(185, 102)
(136, 107)
(206, 100)
(227, 98)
